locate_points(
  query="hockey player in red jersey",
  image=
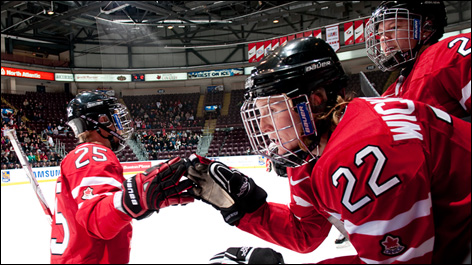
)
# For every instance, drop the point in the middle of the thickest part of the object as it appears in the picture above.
(94, 203)
(394, 174)
(404, 35)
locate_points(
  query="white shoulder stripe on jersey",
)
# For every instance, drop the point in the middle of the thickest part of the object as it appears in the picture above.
(94, 181)
(411, 253)
(465, 96)
(377, 228)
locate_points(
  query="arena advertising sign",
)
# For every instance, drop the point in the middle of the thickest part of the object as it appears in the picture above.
(33, 74)
(166, 77)
(64, 77)
(102, 78)
(215, 73)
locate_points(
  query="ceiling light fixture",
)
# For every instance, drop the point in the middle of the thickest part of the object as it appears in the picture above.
(51, 10)
(275, 21)
(170, 27)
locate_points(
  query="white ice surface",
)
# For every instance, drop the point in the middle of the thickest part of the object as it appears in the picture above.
(176, 235)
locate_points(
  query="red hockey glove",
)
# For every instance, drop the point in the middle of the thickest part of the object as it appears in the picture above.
(226, 189)
(157, 187)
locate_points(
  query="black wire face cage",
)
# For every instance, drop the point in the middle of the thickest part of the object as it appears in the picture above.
(392, 55)
(276, 127)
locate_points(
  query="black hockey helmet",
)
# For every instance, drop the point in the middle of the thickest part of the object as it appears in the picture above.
(287, 77)
(86, 109)
(298, 67)
(423, 16)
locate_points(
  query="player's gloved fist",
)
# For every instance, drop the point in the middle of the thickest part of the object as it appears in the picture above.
(248, 255)
(157, 187)
(228, 190)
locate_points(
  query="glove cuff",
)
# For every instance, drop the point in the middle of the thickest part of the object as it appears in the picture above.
(252, 201)
(255, 198)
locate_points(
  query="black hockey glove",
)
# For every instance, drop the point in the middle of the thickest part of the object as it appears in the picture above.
(226, 189)
(248, 255)
(157, 187)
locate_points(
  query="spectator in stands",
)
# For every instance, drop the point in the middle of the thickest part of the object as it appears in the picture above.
(49, 128)
(42, 156)
(4, 128)
(27, 139)
(13, 158)
(19, 115)
(26, 104)
(50, 141)
(31, 157)
(5, 159)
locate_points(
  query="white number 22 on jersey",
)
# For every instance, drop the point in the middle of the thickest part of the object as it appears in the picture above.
(377, 188)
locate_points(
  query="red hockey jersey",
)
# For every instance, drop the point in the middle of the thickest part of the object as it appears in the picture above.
(397, 173)
(440, 77)
(87, 227)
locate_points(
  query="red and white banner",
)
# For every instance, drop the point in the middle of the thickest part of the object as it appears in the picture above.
(308, 33)
(348, 33)
(275, 43)
(332, 37)
(251, 52)
(359, 31)
(317, 33)
(282, 40)
(259, 51)
(267, 47)
(299, 36)
(290, 37)
(7, 71)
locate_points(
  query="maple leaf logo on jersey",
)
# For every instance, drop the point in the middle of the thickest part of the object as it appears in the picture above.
(88, 193)
(392, 246)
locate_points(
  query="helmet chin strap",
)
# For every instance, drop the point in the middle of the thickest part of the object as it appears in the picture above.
(112, 133)
(114, 145)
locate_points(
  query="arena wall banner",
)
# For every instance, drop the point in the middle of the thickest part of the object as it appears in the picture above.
(48, 174)
(282, 40)
(166, 77)
(332, 37)
(102, 78)
(215, 73)
(267, 47)
(275, 43)
(359, 31)
(65, 77)
(349, 33)
(317, 33)
(251, 52)
(32, 74)
(259, 50)
(308, 33)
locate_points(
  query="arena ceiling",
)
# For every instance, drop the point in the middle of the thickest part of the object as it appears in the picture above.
(195, 23)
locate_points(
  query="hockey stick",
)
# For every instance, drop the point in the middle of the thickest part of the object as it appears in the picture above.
(366, 86)
(29, 172)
